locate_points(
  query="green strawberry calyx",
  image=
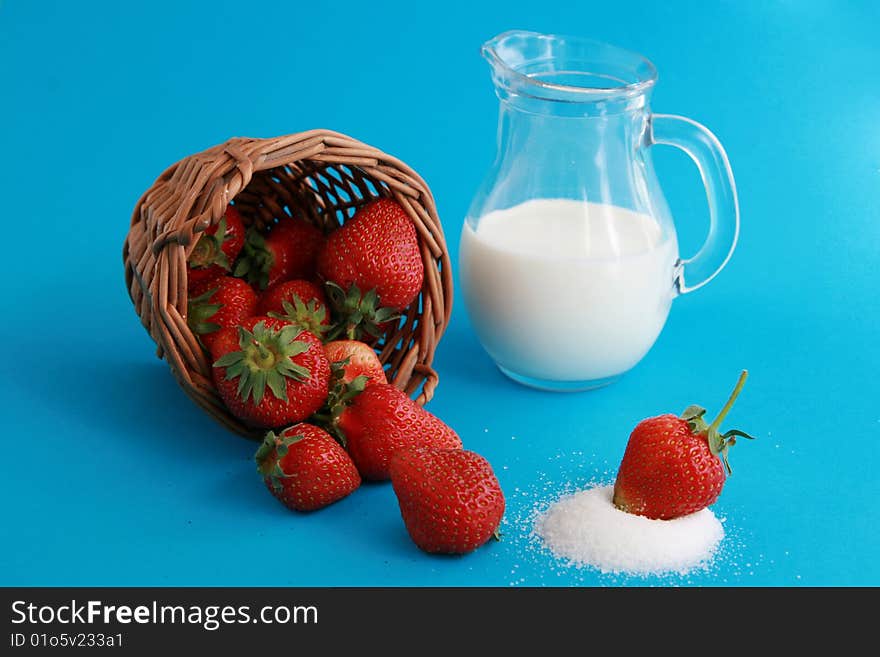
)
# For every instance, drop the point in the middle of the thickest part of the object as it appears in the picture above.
(339, 398)
(255, 261)
(208, 251)
(270, 454)
(265, 358)
(359, 313)
(719, 443)
(199, 312)
(310, 316)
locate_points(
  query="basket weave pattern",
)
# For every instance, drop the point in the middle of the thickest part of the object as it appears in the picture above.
(319, 175)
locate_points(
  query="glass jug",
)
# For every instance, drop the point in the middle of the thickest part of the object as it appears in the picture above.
(569, 260)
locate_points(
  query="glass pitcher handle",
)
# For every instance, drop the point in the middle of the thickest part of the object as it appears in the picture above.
(705, 150)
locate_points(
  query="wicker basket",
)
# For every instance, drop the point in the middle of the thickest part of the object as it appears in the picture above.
(320, 175)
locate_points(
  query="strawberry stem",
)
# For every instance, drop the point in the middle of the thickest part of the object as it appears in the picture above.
(733, 395)
(266, 357)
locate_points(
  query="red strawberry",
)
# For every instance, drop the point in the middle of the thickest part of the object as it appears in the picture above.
(272, 300)
(360, 317)
(361, 361)
(305, 468)
(299, 301)
(288, 251)
(227, 303)
(450, 499)
(265, 259)
(374, 258)
(308, 241)
(217, 249)
(675, 466)
(265, 352)
(381, 420)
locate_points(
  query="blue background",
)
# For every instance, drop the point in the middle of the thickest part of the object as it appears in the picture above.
(111, 476)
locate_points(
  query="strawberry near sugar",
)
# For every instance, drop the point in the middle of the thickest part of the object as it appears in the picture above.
(270, 372)
(450, 500)
(675, 466)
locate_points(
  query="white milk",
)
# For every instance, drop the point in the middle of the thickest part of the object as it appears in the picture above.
(564, 290)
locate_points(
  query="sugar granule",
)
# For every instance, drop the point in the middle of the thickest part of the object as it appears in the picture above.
(586, 529)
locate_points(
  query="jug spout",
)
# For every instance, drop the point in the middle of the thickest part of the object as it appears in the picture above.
(544, 68)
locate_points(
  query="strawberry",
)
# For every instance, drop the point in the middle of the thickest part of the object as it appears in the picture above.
(372, 263)
(288, 251)
(267, 352)
(675, 466)
(272, 300)
(382, 419)
(450, 499)
(360, 315)
(305, 468)
(217, 249)
(356, 359)
(265, 259)
(308, 240)
(299, 301)
(226, 303)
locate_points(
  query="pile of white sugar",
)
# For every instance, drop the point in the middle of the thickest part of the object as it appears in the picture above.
(588, 530)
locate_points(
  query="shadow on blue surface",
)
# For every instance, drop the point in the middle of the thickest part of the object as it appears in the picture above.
(135, 400)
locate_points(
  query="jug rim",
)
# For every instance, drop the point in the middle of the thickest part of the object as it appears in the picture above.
(559, 48)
